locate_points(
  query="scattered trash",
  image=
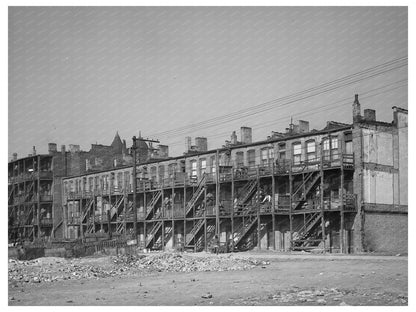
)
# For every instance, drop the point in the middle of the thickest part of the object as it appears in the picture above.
(206, 296)
(55, 269)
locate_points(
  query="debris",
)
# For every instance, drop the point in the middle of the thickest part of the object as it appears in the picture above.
(206, 296)
(50, 269)
(343, 304)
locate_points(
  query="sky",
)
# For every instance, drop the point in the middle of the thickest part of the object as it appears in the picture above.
(77, 75)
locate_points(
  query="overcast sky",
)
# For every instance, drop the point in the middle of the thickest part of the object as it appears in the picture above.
(77, 75)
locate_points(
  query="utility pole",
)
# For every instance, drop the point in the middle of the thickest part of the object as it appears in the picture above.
(134, 148)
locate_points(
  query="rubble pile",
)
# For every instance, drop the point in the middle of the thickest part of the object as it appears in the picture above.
(332, 296)
(186, 263)
(55, 269)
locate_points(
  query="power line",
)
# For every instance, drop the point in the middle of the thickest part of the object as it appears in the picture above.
(314, 110)
(326, 87)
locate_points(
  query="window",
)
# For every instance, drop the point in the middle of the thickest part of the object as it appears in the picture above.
(171, 170)
(84, 184)
(267, 156)
(127, 179)
(193, 168)
(71, 186)
(264, 156)
(251, 157)
(213, 165)
(153, 173)
(203, 165)
(325, 149)
(105, 182)
(297, 153)
(161, 172)
(97, 183)
(348, 143)
(239, 159)
(271, 154)
(281, 150)
(91, 184)
(310, 150)
(334, 148)
(120, 180)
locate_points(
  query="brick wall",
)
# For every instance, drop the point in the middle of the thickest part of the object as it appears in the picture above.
(385, 232)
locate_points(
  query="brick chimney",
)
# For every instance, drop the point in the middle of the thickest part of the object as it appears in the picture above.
(303, 126)
(14, 156)
(233, 138)
(370, 114)
(246, 135)
(188, 144)
(52, 148)
(34, 151)
(201, 144)
(356, 110)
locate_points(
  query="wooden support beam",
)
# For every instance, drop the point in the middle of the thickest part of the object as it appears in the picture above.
(258, 208)
(341, 240)
(273, 208)
(232, 208)
(322, 197)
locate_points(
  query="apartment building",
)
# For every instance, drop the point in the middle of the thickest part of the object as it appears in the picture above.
(342, 188)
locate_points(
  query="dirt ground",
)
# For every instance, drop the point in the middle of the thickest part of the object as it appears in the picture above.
(285, 280)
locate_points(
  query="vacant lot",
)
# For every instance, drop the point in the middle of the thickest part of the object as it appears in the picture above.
(254, 279)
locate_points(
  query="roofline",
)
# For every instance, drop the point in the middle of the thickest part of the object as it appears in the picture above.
(222, 149)
(27, 157)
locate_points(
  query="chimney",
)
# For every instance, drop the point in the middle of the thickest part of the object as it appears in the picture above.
(188, 144)
(233, 138)
(356, 110)
(303, 126)
(63, 149)
(34, 151)
(201, 144)
(246, 135)
(52, 148)
(163, 151)
(73, 148)
(14, 156)
(370, 114)
(295, 129)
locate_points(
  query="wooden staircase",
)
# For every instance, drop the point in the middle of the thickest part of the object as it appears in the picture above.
(168, 235)
(153, 202)
(115, 210)
(196, 195)
(190, 236)
(87, 210)
(153, 232)
(246, 192)
(299, 195)
(243, 229)
(303, 235)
